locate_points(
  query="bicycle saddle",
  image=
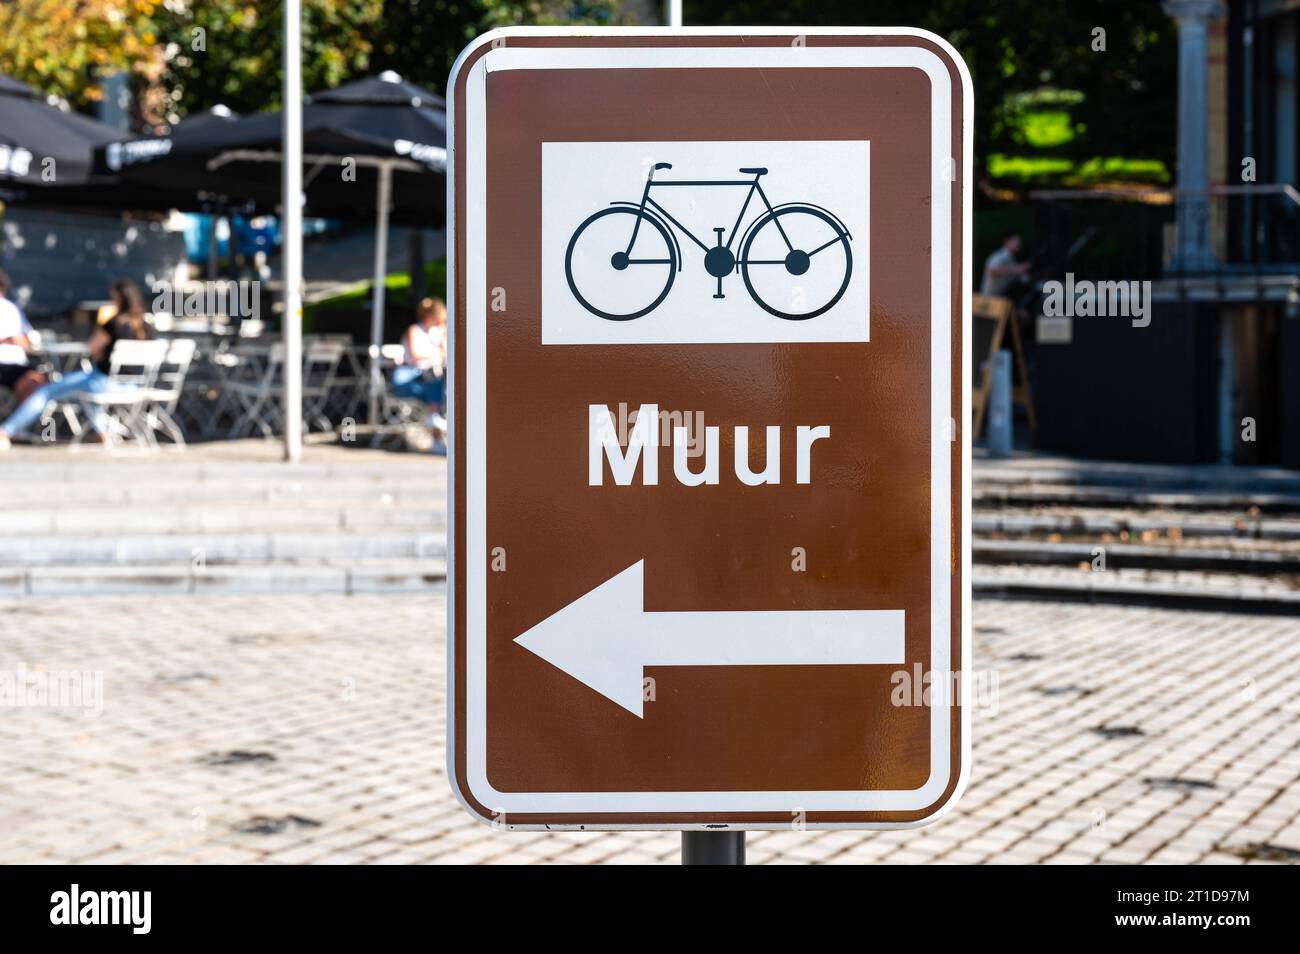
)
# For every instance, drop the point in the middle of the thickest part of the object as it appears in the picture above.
(760, 171)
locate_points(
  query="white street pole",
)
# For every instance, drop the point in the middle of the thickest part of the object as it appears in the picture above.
(291, 230)
(674, 13)
(383, 200)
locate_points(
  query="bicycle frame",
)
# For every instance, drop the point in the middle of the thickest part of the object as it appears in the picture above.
(720, 261)
(646, 199)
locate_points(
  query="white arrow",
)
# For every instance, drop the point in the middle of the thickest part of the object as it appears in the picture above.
(606, 638)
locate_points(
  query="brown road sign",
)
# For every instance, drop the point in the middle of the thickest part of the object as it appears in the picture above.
(710, 510)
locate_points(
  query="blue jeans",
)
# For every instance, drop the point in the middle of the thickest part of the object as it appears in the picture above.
(71, 385)
(411, 382)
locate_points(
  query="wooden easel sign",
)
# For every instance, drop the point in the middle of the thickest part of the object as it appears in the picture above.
(991, 318)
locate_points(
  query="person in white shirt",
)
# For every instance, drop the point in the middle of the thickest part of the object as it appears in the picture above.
(422, 373)
(1001, 268)
(15, 341)
(424, 345)
(128, 321)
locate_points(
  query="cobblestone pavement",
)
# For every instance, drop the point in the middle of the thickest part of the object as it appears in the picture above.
(293, 729)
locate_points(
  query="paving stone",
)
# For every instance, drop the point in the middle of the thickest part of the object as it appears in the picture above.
(347, 693)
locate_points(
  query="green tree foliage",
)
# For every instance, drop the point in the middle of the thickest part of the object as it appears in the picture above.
(420, 39)
(1027, 57)
(63, 47)
(228, 51)
(1047, 104)
(190, 55)
(342, 40)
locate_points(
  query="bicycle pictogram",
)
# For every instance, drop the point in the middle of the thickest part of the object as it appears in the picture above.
(794, 258)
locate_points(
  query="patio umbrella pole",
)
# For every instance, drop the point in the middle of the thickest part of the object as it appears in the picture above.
(377, 291)
(291, 249)
(213, 247)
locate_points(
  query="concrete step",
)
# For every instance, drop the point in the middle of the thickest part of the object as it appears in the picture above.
(341, 515)
(214, 549)
(103, 492)
(1040, 470)
(1176, 588)
(72, 468)
(1241, 560)
(1068, 521)
(380, 576)
(988, 495)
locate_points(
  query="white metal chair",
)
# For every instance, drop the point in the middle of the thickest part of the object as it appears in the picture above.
(121, 412)
(167, 389)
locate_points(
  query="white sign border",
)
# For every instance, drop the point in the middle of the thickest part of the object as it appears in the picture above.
(503, 804)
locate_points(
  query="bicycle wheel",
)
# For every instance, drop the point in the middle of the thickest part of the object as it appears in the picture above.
(607, 280)
(796, 254)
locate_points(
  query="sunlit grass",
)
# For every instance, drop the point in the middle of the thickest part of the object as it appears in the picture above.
(397, 292)
(1024, 170)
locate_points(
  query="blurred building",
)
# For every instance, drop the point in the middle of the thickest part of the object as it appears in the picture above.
(61, 261)
(1215, 376)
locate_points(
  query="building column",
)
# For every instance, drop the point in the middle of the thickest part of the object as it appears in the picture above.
(1193, 253)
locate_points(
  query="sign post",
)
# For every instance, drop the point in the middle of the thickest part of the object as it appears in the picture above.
(709, 538)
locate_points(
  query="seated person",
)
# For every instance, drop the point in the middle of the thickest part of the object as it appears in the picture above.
(15, 342)
(126, 321)
(421, 375)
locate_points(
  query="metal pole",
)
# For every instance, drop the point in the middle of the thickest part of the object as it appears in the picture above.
(1194, 253)
(1248, 134)
(1001, 435)
(1227, 378)
(291, 230)
(214, 220)
(713, 847)
(377, 290)
(674, 13)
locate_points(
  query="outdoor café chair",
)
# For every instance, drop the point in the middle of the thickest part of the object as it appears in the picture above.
(168, 387)
(258, 391)
(203, 399)
(133, 367)
(320, 365)
(229, 367)
(396, 414)
(348, 391)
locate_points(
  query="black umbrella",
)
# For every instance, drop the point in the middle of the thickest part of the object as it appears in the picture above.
(53, 158)
(363, 144)
(377, 137)
(171, 171)
(42, 147)
(12, 87)
(350, 135)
